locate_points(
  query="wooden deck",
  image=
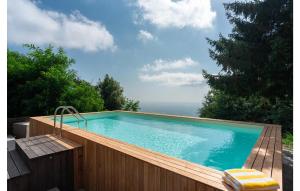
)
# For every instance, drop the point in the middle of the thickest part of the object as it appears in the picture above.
(266, 156)
(110, 164)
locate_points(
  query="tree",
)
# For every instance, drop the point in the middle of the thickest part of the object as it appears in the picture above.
(131, 105)
(41, 80)
(256, 64)
(83, 96)
(112, 93)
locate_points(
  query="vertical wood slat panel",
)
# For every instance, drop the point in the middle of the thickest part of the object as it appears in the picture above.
(108, 169)
(118, 171)
(76, 157)
(91, 164)
(163, 180)
(100, 167)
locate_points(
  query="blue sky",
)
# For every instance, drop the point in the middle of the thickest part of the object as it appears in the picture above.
(155, 49)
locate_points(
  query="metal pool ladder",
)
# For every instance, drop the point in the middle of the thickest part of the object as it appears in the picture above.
(71, 110)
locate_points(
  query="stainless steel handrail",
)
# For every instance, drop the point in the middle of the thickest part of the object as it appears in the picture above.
(79, 115)
(68, 108)
(62, 112)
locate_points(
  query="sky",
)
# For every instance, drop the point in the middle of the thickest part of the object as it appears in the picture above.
(156, 49)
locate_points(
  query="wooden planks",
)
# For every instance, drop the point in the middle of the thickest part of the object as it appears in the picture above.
(250, 160)
(12, 169)
(17, 172)
(15, 165)
(277, 159)
(110, 164)
(266, 156)
(54, 161)
(19, 162)
(268, 160)
(42, 145)
(213, 178)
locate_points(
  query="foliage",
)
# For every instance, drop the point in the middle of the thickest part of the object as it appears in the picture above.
(83, 95)
(257, 55)
(41, 80)
(252, 108)
(112, 93)
(288, 140)
(220, 105)
(131, 105)
(282, 113)
(256, 78)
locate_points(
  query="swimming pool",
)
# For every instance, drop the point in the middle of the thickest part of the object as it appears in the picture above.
(218, 145)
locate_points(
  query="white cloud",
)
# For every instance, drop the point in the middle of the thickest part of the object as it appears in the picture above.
(145, 36)
(169, 72)
(159, 65)
(27, 23)
(184, 13)
(174, 79)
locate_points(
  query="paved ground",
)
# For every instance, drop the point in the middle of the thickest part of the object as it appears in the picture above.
(287, 170)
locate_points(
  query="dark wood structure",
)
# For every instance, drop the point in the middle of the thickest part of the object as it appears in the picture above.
(50, 160)
(17, 172)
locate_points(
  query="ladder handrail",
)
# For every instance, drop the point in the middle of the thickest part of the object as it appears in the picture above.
(60, 107)
(61, 118)
(55, 112)
(69, 109)
(77, 113)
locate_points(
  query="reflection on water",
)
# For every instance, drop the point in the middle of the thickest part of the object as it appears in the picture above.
(220, 146)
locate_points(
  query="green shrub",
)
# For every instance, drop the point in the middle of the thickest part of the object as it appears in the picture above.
(219, 105)
(41, 80)
(131, 105)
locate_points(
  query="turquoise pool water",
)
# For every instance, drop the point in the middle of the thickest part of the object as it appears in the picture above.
(217, 145)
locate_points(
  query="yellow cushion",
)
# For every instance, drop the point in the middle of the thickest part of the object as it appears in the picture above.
(249, 179)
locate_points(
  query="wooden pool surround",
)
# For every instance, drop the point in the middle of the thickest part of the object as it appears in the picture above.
(110, 164)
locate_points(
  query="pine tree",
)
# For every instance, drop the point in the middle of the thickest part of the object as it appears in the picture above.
(257, 57)
(256, 60)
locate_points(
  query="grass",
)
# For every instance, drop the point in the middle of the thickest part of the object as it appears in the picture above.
(288, 140)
